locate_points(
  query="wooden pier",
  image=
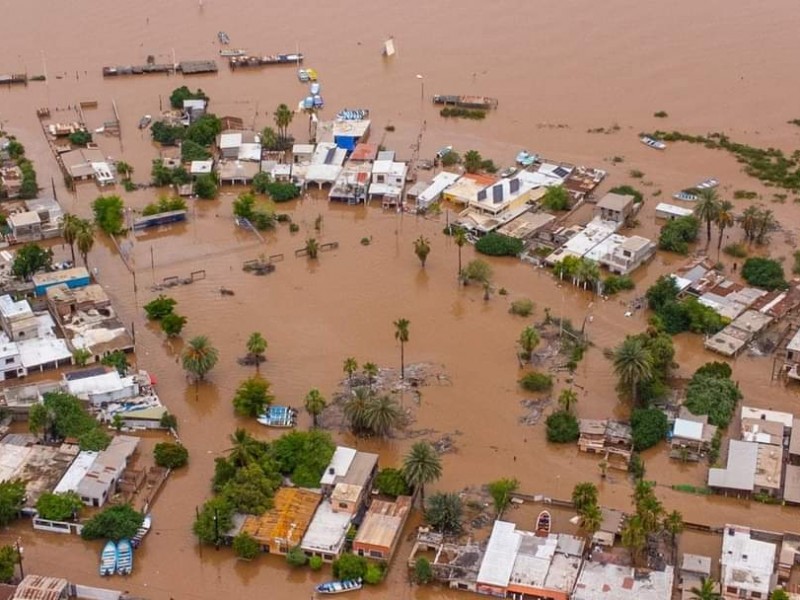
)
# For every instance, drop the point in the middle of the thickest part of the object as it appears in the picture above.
(197, 67)
(187, 67)
(483, 102)
(236, 62)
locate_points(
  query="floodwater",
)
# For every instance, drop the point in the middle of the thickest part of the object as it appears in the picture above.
(713, 66)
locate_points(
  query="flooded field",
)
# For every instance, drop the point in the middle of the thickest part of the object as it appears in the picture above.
(555, 78)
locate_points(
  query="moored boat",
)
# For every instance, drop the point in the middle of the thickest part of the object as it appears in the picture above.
(352, 114)
(483, 102)
(108, 559)
(315, 89)
(124, 557)
(279, 416)
(147, 523)
(302, 75)
(653, 143)
(543, 523)
(145, 121)
(312, 74)
(339, 587)
(525, 158)
(223, 37)
(233, 52)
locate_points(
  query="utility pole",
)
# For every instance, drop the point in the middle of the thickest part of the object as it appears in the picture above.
(19, 558)
(216, 528)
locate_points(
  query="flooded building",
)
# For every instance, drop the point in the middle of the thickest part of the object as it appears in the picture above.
(101, 388)
(433, 192)
(738, 334)
(670, 212)
(72, 278)
(388, 181)
(38, 587)
(599, 580)
(581, 244)
(627, 256)
(691, 437)
(747, 565)
(610, 527)
(615, 207)
(612, 439)
(752, 468)
(466, 189)
(38, 467)
(326, 165)
(83, 164)
(380, 531)
(526, 225)
(794, 443)
(694, 569)
(455, 565)
(101, 479)
(283, 526)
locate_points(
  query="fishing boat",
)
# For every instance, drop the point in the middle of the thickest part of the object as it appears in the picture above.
(353, 114)
(145, 121)
(147, 523)
(525, 158)
(312, 74)
(233, 52)
(318, 101)
(124, 557)
(302, 75)
(505, 173)
(281, 417)
(543, 523)
(388, 47)
(339, 587)
(444, 151)
(707, 184)
(307, 103)
(315, 89)
(653, 143)
(108, 559)
(223, 38)
(685, 196)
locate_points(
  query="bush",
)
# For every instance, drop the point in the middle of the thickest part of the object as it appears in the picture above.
(649, 427)
(182, 93)
(168, 421)
(478, 270)
(562, 427)
(522, 307)
(556, 198)
(676, 235)
(712, 396)
(721, 370)
(497, 244)
(661, 114)
(58, 507)
(764, 273)
(282, 192)
(164, 204)
(296, 557)
(245, 546)
(205, 186)
(614, 284)
(315, 562)
(303, 456)
(423, 572)
(627, 190)
(443, 512)
(204, 130)
(160, 307)
(170, 455)
(191, 150)
(109, 214)
(374, 574)
(166, 134)
(113, 523)
(536, 382)
(737, 250)
(172, 324)
(451, 159)
(350, 566)
(80, 138)
(391, 482)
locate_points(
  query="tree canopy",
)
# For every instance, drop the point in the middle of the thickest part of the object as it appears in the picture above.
(30, 259)
(677, 234)
(391, 482)
(170, 455)
(182, 93)
(61, 415)
(712, 396)
(303, 456)
(444, 511)
(562, 427)
(12, 498)
(252, 397)
(497, 244)
(556, 198)
(109, 214)
(113, 523)
(650, 426)
(58, 507)
(764, 273)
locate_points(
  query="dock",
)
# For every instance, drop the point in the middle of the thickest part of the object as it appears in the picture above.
(196, 67)
(188, 67)
(483, 102)
(14, 78)
(236, 62)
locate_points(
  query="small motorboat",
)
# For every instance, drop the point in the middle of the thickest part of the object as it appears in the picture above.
(339, 587)
(282, 417)
(685, 196)
(507, 172)
(525, 158)
(124, 557)
(352, 114)
(145, 121)
(312, 74)
(315, 89)
(444, 151)
(108, 559)
(543, 523)
(302, 75)
(223, 38)
(653, 143)
(318, 101)
(707, 184)
(233, 52)
(147, 523)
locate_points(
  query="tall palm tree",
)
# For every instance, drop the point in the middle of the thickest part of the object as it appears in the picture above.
(633, 363)
(315, 404)
(707, 208)
(84, 239)
(199, 357)
(460, 238)
(591, 518)
(371, 371)
(70, 227)
(350, 366)
(707, 590)
(421, 466)
(724, 220)
(283, 118)
(422, 247)
(634, 537)
(256, 346)
(355, 410)
(765, 222)
(749, 221)
(567, 399)
(382, 414)
(528, 340)
(401, 335)
(583, 495)
(245, 449)
(673, 524)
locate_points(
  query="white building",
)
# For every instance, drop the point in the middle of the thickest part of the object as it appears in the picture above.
(580, 244)
(17, 319)
(629, 255)
(747, 566)
(100, 480)
(606, 581)
(670, 212)
(433, 193)
(388, 181)
(102, 388)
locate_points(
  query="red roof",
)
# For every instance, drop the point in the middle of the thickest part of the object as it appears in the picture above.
(363, 152)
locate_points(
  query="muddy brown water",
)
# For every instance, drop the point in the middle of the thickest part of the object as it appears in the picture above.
(557, 74)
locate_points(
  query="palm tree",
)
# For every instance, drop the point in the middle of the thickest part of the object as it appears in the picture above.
(673, 524)
(634, 537)
(70, 227)
(422, 247)
(421, 466)
(567, 399)
(283, 118)
(589, 272)
(401, 335)
(764, 223)
(350, 366)
(707, 590)
(460, 238)
(382, 414)
(707, 208)
(724, 220)
(315, 404)
(355, 410)
(312, 248)
(244, 448)
(199, 357)
(528, 340)
(256, 346)
(84, 239)
(583, 495)
(591, 519)
(633, 363)
(125, 170)
(371, 371)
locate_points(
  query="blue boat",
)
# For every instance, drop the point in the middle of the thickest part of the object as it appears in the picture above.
(526, 159)
(108, 559)
(279, 416)
(318, 102)
(354, 114)
(315, 88)
(124, 557)
(308, 103)
(142, 531)
(339, 587)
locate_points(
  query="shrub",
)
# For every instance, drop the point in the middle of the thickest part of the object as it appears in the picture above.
(712, 396)
(191, 150)
(164, 204)
(113, 523)
(315, 562)
(170, 455)
(350, 566)
(627, 190)
(58, 507)
(451, 159)
(168, 421)
(160, 307)
(676, 235)
(374, 574)
(721, 370)
(245, 546)
(536, 382)
(737, 250)
(744, 195)
(636, 173)
(391, 482)
(80, 138)
(562, 427)
(614, 284)
(497, 244)
(423, 572)
(556, 198)
(166, 134)
(205, 186)
(649, 427)
(522, 307)
(764, 273)
(172, 324)
(661, 114)
(282, 192)
(108, 214)
(443, 511)
(296, 557)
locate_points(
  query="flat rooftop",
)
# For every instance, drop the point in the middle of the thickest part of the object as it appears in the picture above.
(602, 581)
(327, 530)
(740, 472)
(287, 520)
(383, 522)
(747, 564)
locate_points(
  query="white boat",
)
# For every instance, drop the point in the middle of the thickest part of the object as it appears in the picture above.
(108, 559)
(653, 143)
(444, 151)
(124, 557)
(147, 523)
(145, 121)
(233, 52)
(388, 47)
(315, 88)
(685, 196)
(525, 158)
(302, 75)
(339, 587)
(707, 184)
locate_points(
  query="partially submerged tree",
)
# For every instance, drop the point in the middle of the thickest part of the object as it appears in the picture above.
(199, 357)
(256, 347)
(422, 247)
(501, 492)
(315, 403)
(401, 335)
(421, 466)
(252, 397)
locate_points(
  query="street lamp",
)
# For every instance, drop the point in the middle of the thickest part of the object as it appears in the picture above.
(421, 86)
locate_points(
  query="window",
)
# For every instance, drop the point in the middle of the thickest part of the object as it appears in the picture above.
(9, 360)
(756, 594)
(375, 554)
(342, 504)
(730, 589)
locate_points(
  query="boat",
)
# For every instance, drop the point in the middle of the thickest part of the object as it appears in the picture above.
(339, 587)
(315, 89)
(312, 74)
(707, 184)
(233, 52)
(223, 38)
(685, 196)
(388, 47)
(353, 114)
(318, 101)
(281, 417)
(525, 158)
(302, 75)
(124, 557)
(147, 523)
(543, 523)
(653, 143)
(308, 103)
(145, 121)
(263, 61)
(505, 173)
(444, 151)
(483, 102)
(108, 559)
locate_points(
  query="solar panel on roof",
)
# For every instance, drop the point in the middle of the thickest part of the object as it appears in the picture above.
(497, 194)
(561, 171)
(329, 155)
(513, 185)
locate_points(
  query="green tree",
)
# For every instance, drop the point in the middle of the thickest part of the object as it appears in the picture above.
(649, 426)
(556, 198)
(117, 422)
(422, 247)
(172, 324)
(562, 427)
(401, 335)
(205, 186)
(252, 397)
(707, 208)
(315, 563)
(472, 161)
(40, 419)
(497, 244)
(30, 259)
(707, 590)
(245, 546)
(371, 371)
(94, 439)
(423, 572)
(204, 130)
(382, 414)
(501, 492)
(460, 238)
(256, 347)
(125, 170)
(443, 512)
(355, 408)
(214, 520)
(478, 270)
(634, 537)
(350, 366)
(182, 93)
(583, 495)
(633, 363)
(9, 558)
(117, 359)
(724, 220)
(779, 594)
(536, 382)
(764, 273)
(591, 519)
(296, 557)
(113, 523)
(191, 150)
(166, 134)
(349, 567)
(58, 507)
(567, 399)
(160, 307)
(109, 214)
(12, 499)
(312, 248)
(421, 466)
(391, 482)
(283, 118)
(712, 396)
(69, 230)
(269, 140)
(251, 489)
(528, 340)
(245, 449)
(673, 525)
(678, 233)
(199, 357)
(168, 421)
(84, 239)
(170, 455)
(80, 138)
(314, 404)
